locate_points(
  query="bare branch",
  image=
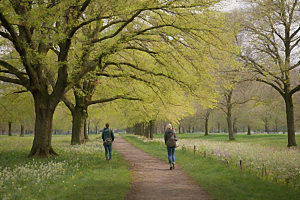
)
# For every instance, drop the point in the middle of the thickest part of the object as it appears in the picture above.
(296, 89)
(272, 85)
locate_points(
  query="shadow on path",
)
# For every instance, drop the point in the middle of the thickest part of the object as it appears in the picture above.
(152, 178)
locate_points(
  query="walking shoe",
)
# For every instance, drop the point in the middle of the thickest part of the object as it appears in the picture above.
(173, 165)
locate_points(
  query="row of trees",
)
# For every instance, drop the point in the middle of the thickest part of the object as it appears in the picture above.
(159, 56)
(269, 42)
(86, 52)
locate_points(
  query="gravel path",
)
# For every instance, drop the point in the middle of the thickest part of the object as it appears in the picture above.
(153, 179)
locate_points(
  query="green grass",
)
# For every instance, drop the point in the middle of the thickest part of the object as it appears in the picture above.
(274, 140)
(87, 175)
(220, 180)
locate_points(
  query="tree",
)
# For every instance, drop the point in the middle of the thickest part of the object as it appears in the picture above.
(33, 28)
(16, 108)
(207, 114)
(238, 93)
(271, 48)
(83, 99)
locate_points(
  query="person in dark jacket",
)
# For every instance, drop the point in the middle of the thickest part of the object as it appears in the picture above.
(108, 137)
(170, 138)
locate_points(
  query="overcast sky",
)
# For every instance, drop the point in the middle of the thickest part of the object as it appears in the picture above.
(229, 5)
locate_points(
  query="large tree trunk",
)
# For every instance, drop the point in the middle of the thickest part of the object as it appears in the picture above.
(22, 131)
(290, 120)
(44, 110)
(79, 118)
(9, 129)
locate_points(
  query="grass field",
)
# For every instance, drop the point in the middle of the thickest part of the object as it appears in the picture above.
(80, 172)
(222, 181)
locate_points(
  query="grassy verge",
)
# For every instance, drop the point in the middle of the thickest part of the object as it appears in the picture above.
(80, 172)
(221, 181)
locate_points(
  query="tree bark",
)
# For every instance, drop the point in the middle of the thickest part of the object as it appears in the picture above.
(290, 120)
(22, 131)
(41, 147)
(79, 118)
(229, 119)
(9, 129)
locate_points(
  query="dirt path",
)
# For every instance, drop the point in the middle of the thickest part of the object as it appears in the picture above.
(153, 179)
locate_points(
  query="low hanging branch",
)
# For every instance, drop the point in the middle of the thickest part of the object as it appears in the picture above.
(114, 98)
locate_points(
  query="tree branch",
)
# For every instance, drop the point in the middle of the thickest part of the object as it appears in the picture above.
(11, 80)
(271, 84)
(68, 104)
(125, 76)
(296, 89)
(114, 98)
(120, 28)
(13, 70)
(146, 71)
(141, 49)
(6, 35)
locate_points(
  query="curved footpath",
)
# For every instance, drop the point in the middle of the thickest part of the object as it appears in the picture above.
(152, 178)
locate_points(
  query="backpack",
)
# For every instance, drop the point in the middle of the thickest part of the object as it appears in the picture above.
(107, 136)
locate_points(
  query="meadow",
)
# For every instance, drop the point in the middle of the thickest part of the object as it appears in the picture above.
(263, 154)
(79, 172)
(269, 169)
(258, 166)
